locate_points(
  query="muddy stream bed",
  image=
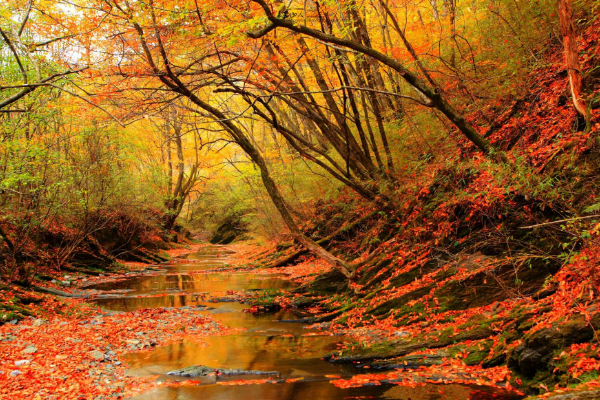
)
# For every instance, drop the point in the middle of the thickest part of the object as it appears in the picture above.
(268, 343)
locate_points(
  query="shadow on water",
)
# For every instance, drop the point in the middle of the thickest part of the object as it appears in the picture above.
(267, 344)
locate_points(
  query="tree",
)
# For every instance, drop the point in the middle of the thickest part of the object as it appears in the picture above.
(567, 29)
(185, 178)
(433, 97)
(32, 71)
(171, 76)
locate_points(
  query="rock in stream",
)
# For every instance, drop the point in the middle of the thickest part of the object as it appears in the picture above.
(202, 370)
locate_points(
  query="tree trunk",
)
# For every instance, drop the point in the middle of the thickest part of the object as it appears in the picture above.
(567, 28)
(278, 199)
(7, 240)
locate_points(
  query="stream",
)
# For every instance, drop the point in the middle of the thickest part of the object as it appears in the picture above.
(269, 343)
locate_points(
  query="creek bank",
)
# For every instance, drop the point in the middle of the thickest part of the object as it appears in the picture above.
(106, 239)
(52, 332)
(86, 349)
(413, 308)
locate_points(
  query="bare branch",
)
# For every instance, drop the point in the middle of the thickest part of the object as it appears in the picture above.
(14, 51)
(560, 221)
(341, 88)
(26, 18)
(33, 86)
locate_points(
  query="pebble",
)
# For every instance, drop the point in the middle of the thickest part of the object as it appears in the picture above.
(97, 355)
(21, 362)
(30, 349)
(16, 372)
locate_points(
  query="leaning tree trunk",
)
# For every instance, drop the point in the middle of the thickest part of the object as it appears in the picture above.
(567, 28)
(281, 206)
(172, 81)
(270, 185)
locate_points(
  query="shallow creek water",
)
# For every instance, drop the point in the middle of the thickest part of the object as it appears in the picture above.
(268, 342)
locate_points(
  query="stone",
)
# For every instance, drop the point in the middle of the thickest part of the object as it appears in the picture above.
(97, 355)
(31, 349)
(530, 361)
(202, 370)
(16, 372)
(39, 322)
(21, 362)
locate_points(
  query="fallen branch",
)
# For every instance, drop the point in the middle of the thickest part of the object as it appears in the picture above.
(559, 221)
(322, 242)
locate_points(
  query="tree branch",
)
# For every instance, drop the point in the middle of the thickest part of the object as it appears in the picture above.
(28, 88)
(437, 100)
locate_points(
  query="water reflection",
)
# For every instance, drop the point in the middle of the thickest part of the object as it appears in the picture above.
(210, 252)
(166, 287)
(322, 390)
(268, 343)
(282, 391)
(292, 356)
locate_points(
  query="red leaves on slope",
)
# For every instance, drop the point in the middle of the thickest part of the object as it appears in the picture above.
(452, 371)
